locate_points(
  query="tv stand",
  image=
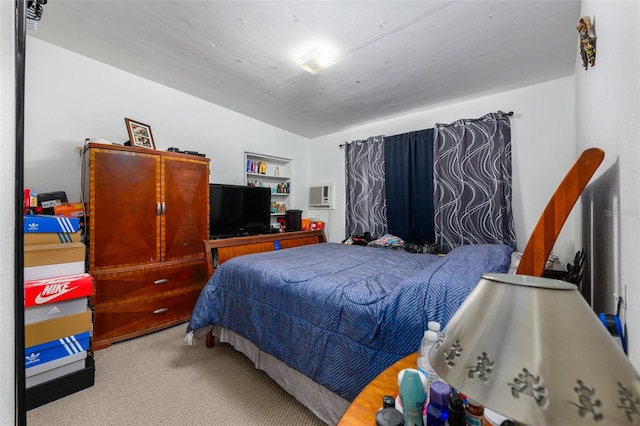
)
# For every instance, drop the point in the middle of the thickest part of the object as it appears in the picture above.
(244, 234)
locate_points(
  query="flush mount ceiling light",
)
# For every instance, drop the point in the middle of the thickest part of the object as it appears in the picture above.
(313, 61)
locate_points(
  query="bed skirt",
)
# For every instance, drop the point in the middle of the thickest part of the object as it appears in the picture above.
(326, 405)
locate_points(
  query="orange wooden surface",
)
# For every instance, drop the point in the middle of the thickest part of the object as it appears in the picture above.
(362, 410)
(546, 232)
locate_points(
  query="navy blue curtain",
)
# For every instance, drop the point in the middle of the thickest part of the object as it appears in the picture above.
(409, 185)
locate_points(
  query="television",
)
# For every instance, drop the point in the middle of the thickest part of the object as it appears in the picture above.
(236, 210)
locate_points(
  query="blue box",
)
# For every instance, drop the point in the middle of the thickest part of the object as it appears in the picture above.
(44, 223)
(49, 351)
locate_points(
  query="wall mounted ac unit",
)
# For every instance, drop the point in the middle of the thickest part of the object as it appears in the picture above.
(321, 196)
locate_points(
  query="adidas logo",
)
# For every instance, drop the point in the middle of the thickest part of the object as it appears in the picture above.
(33, 227)
(30, 359)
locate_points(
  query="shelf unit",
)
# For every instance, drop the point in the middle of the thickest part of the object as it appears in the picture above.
(276, 174)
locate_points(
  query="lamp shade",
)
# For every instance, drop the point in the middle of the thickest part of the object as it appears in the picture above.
(532, 349)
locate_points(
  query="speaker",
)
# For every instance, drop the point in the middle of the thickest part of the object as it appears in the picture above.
(293, 220)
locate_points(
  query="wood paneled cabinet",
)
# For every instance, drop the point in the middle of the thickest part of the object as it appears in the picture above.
(148, 213)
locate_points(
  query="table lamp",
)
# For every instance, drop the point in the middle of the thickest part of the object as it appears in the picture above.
(532, 349)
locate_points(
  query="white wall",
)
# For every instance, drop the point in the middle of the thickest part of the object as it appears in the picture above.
(608, 116)
(7, 211)
(543, 145)
(70, 97)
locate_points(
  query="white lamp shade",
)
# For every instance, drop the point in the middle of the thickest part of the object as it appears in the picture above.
(532, 349)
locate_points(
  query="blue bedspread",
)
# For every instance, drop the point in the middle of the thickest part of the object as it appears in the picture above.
(341, 314)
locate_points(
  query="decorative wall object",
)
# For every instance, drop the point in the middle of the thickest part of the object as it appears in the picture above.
(587, 42)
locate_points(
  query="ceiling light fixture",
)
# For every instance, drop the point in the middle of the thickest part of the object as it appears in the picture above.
(313, 61)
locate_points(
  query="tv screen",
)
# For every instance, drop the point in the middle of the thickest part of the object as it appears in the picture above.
(238, 210)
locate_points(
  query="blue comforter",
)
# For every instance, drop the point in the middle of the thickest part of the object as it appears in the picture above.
(341, 314)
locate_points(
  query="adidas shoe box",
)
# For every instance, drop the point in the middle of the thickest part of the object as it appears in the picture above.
(53, 260)
(41, 332)
(37, 238)
(54, 369)
(57, 297)
(46, 223)
(57, 358)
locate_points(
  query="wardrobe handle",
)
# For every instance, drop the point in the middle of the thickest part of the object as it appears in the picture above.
(164, 208)
(160, 311)
(162, 281)
(158, 209)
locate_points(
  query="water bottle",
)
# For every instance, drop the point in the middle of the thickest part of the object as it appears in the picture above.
(428, 342)
(434, 326)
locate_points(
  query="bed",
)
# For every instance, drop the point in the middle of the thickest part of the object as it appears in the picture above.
(323, 320)
(337, 314)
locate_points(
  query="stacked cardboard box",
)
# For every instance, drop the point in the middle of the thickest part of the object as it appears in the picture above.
(58, 317)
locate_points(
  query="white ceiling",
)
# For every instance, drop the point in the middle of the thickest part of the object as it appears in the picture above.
(393, 56)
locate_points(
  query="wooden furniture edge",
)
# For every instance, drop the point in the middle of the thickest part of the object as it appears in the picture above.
(362, 411)
(555, 214)
(117, 147)
(252, 239)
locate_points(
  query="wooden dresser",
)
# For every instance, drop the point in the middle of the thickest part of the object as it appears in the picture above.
(148, 213)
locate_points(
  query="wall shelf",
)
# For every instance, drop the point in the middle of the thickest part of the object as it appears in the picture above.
(276, 171)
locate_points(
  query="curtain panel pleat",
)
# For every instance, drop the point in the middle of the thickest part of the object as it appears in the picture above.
(366, 208)
(472, 183)
(409, 184)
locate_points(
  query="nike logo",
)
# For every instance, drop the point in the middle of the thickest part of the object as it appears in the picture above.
(51, 292)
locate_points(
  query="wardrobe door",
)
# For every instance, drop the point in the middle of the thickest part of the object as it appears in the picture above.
(124, 220)
(185, 220)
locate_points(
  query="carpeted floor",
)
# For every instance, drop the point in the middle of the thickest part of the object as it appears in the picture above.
(158, 379)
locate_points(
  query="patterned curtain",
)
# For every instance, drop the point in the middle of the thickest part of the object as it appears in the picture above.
(366, 206)
(472, 182)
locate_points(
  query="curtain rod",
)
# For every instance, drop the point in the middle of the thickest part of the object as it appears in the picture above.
(504, 114)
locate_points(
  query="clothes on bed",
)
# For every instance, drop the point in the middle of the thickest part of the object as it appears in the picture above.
(341, 314)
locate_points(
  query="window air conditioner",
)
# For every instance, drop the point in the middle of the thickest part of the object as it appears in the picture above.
(321, 196)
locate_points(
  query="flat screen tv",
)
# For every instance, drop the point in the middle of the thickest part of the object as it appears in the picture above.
(238, 210)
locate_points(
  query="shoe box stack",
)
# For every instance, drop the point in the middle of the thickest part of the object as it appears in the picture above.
(58, 315)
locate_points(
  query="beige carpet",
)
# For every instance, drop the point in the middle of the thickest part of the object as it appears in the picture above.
(158, 379)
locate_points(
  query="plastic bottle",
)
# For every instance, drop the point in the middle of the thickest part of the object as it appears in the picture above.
(475, 413)
(413, 397)
(388, 415)
(439, 393)
(457, 414)
(428, 341)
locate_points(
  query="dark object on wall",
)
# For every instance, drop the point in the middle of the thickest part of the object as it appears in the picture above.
(294, 220)
(587, 42)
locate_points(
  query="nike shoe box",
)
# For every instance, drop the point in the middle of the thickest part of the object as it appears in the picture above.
(55, 310)
(53, 260)
(41, 332)
(56, 289)
(56, 297)
(56, 353)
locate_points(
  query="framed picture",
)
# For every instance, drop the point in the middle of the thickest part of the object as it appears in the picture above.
(140, 134)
